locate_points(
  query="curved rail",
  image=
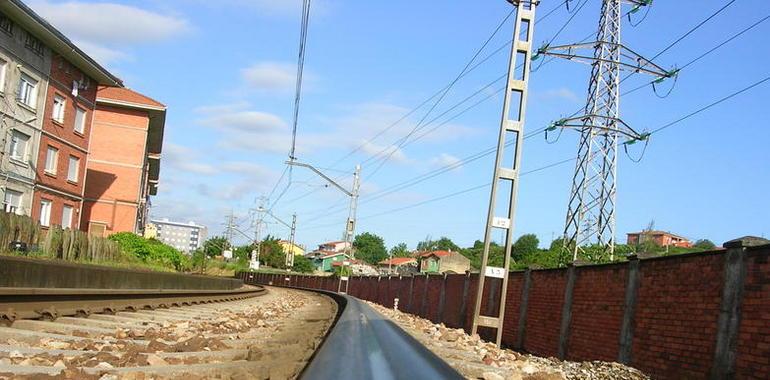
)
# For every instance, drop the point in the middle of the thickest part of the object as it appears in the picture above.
(51, 303)
(363, 344)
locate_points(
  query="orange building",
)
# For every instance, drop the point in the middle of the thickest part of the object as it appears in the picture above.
(124, 161)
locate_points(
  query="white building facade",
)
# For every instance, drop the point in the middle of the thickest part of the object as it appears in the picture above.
(186, 237)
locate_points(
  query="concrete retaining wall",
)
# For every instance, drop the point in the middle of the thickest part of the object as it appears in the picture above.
(23, 272)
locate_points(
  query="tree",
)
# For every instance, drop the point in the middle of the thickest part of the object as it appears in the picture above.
(272, 254)
(214, 246)
(399, 250)
(370, 248)
(303, 265)
(442, 244)
(525, 245)
(151, 251)
(704, 244)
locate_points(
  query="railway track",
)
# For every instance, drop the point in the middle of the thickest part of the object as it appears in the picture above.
(253, 332)
(141, 335)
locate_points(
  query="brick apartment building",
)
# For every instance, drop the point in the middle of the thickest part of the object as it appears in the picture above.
(60, 170)
(124, 162)
(78, 149)
(47, 87)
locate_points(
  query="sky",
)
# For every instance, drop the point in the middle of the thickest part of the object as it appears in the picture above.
(226, 70)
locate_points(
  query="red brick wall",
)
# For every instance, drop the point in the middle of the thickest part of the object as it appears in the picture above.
(512, 308)
(676, 315)
(597, 313)
(546, 297)
(675, 321)
(754, 333)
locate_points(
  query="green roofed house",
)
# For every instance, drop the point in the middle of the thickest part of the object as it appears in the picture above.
(325, 263)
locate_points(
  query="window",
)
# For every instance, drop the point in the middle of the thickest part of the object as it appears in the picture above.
(51, 160)
(45, 212)
(3, 70)
(28, 91)
(19, 143)
(80, 120)
(58, 108)
(6, 24)
(66, 217)
(12, 201)
(34, 44)
(72, 171)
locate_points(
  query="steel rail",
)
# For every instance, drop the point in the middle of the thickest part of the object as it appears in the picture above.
(363, 344)
(51, 303)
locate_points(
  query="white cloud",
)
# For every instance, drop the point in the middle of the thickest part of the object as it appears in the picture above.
(392, 152)
(445, 159)
(561, 93)
(103, 28)
(182, 158)
(244, 120)
(270, 76)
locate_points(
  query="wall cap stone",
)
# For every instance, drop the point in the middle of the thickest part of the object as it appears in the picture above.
(746, 241)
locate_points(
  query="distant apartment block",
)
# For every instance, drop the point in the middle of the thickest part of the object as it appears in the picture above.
(661, 238)
(124, 164)
(186, 237)
(47, 94)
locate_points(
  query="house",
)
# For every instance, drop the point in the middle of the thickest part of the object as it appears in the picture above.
(288, 246)
(443, 262)
(357, 267)
(48, 85)
(661, 238)
(324, 263)
(334, 246)
(124, 161)
(398, 265)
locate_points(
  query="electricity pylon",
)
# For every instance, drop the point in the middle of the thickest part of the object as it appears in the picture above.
(591, 211)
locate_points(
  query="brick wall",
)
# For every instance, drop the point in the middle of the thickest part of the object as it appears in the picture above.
(673, 319)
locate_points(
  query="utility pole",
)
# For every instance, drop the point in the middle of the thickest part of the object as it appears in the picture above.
(290, 255)
(254, 263)
(350, 224)
(591, 211)
(227, 252)
(505, 181)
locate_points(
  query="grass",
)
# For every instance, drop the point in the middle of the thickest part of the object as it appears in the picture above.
(127, 263)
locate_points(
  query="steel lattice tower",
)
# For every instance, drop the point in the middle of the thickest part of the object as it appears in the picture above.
(591, 210)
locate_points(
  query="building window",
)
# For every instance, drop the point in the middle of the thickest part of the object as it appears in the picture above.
(34, 44)
(51, 160)
(58, 108)
(80, 120)
(3, 70)
(28, 91)
(66, 217)
(12, 201)
(45, 212)
(73, 169)
(6, 24)
(19, 142)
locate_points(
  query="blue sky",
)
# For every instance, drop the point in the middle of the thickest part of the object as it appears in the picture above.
(226, 71)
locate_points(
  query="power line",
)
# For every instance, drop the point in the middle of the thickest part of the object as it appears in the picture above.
(665, 126)
(437, 93)
(300, 70)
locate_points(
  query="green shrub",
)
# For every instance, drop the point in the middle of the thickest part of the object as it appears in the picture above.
(151, 251)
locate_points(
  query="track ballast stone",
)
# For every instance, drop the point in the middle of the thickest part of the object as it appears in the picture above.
(271, 336)
(477, 359)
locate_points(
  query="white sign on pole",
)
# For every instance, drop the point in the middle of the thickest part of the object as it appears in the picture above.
(344, 278)
(501, 222)
(495, 272)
